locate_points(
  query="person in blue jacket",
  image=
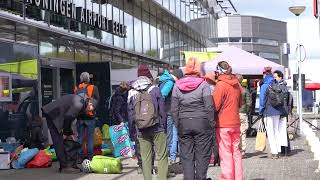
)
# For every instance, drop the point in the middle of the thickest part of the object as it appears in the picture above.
(274, 120)
(166, 83)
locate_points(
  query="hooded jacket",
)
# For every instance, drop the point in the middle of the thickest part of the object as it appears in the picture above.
(191, 99)
(266, 108)
(246, 101)
(119, 106)
(166, 85)
(227, 101)
(64, 111)
(142, 83)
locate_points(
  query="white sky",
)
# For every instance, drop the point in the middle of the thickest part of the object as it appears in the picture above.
(278, 9)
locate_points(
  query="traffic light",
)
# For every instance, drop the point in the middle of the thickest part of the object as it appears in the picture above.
(296, 81)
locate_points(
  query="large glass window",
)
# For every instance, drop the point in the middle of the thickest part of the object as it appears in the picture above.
(187, 10)
(153, 36)
(118, 17)
(128, 21)
(183, 11)
(166, 46)
(66, 49)
(165, 4)
(172, 7)
(146, 33)
(159, 1)
(48, 45)
(160, 38)
(107, 37)
(137, 29)
(178, 9)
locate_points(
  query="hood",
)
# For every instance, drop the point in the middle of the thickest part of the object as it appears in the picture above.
(165, 76)
(268, 79)
(282, 82)
(189, 83)
(229, 79)
(193, 67)
(141, 83)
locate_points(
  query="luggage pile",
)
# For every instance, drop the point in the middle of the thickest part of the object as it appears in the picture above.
(13, 155)
(115, 145)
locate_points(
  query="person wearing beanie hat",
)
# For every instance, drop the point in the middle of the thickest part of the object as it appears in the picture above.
(227, 101)
(143, 70)
(193, 114)
(142, 93)
(193, 67)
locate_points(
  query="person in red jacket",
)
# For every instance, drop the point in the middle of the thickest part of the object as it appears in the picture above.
(227, 101)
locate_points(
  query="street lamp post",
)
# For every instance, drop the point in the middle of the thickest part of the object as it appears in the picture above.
(297, 10)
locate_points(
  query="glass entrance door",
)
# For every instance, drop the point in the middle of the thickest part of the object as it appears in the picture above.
(67, 81)
(57, 79)
(48, 87)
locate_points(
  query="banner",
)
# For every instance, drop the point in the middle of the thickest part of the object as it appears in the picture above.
(202, 56)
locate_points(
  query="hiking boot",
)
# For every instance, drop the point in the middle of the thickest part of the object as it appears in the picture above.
(69, 170)
(171, 174)
(154, 170)
(172, 162)
(275, 156)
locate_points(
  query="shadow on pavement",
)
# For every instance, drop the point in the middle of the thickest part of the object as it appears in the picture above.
(249, 155)
(124, 174)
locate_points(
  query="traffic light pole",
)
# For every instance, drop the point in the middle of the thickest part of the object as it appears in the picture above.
(300, 91)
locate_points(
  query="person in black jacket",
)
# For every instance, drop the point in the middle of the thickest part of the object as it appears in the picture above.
(119, 109)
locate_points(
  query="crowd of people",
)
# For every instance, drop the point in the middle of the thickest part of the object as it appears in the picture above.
(200, 117)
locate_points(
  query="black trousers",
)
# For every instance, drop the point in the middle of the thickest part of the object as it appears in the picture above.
(57, 140)
(196, 142)
(66, 157)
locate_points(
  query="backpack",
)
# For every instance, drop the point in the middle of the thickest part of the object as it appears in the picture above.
(146, 114)
(276, 96)
(88, 110)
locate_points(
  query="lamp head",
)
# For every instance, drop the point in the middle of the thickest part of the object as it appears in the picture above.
(297, 10)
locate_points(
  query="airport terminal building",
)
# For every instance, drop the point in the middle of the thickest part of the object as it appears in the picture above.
(46, 44)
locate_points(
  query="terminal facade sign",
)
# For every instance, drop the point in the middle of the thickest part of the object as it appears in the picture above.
(68, 8)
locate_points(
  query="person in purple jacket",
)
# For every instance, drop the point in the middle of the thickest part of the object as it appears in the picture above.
(154, 135)
(119, 104)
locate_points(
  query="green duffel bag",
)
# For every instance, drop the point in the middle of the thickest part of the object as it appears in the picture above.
(106, 165)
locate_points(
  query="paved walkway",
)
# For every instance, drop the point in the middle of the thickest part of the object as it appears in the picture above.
(299, 166)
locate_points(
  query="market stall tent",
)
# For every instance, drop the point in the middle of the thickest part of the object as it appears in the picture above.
(242, 62)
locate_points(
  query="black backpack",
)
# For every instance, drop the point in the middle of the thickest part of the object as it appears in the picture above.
(276, 96)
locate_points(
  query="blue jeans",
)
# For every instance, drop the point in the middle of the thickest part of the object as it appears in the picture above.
(172, 138)
(90, 125)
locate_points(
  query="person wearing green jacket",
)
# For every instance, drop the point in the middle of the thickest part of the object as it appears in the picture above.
(244, 111)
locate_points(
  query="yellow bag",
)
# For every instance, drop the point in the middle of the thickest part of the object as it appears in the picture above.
(261, 137)
(97, 137)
